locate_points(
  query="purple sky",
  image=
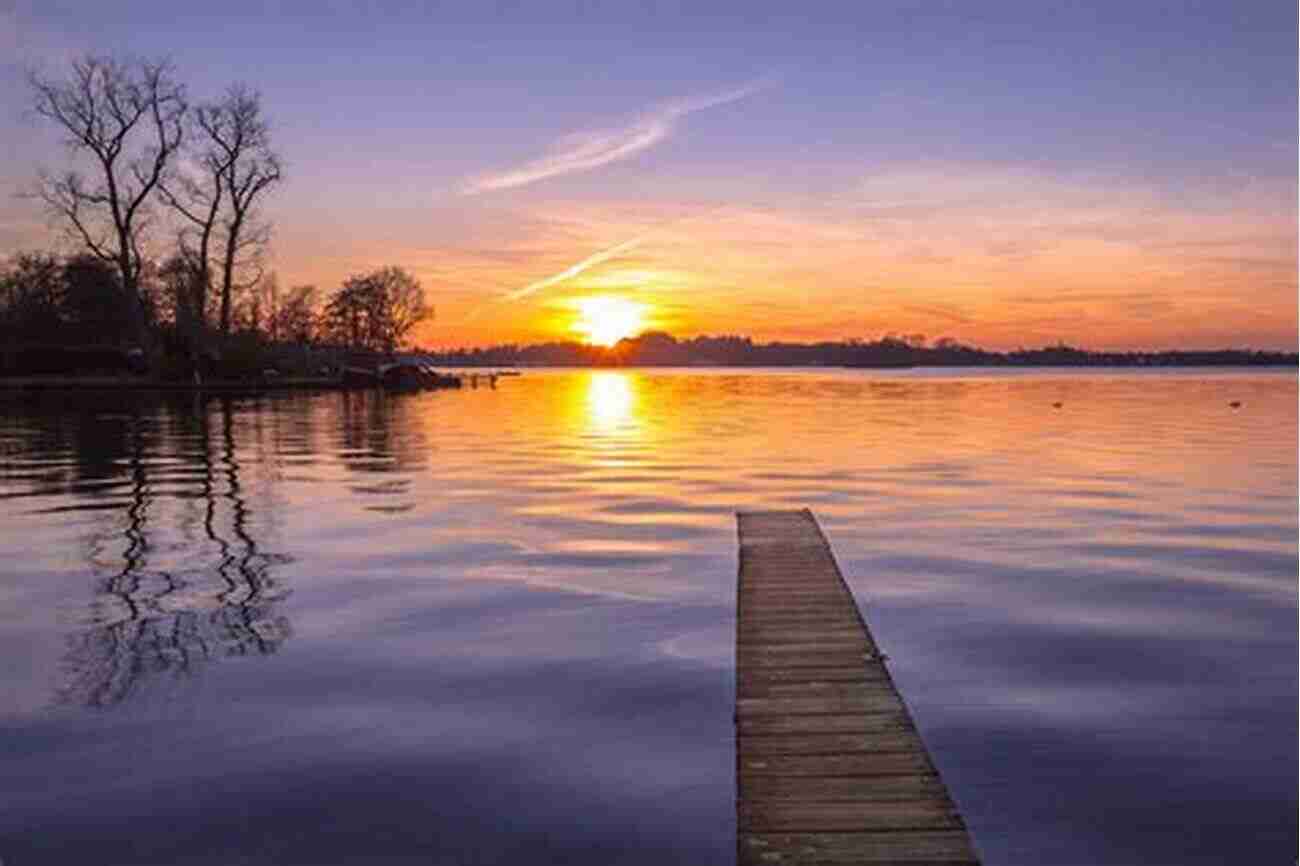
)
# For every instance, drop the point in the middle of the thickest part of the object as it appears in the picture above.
(1113, 173)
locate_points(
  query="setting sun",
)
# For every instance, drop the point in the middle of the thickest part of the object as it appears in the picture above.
(603, 320)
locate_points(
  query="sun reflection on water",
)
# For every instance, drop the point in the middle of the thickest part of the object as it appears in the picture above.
(611, 402)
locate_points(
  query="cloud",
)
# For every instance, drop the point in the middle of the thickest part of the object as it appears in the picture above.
(584, 151)
(939, 312)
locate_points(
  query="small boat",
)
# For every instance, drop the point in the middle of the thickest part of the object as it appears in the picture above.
(402, 377)
(411, 375)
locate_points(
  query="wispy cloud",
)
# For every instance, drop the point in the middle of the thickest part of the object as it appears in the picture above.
(584, 151)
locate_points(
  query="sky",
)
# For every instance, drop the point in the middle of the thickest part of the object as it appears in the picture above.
(1114, 175)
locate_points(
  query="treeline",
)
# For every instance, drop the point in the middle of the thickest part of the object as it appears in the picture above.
(661, 349)
(166, 241)
(71, 314)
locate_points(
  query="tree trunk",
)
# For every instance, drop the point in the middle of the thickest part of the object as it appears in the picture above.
(228, 275)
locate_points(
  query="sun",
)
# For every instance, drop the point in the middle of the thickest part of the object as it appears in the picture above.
(603, 320)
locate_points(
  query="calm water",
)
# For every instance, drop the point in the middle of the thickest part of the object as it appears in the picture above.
(496, 625)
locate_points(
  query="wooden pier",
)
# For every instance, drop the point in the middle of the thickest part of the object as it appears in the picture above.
(829, 767)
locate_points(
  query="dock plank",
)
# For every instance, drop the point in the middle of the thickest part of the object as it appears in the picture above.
(830, 743)
(912, 847)
(852, 723)
(927, 813)
(835, 789)
(829, 766)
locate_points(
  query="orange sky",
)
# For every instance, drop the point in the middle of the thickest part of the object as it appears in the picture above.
(993, 256)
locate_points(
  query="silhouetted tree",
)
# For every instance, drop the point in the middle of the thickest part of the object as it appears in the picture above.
(46, 300)
(31, 296)
(94, 304)
(377, 310)
(196, 193)
(128, 117)
(294, 318)
(177, 293)
(255, 308)
(237, 152)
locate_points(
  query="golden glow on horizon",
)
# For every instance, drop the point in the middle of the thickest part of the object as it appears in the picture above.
(975, 253)
(603, 320)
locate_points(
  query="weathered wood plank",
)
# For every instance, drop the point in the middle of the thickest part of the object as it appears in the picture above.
(822, 724)
(829, 767)
(830, 743)
(868, 671)
(914, 847)
(830, 789)
(832, 615)
(783, 619)
(883, 701)
(755, 658)
(767, 816)
(810, 645)
(813, 688)
(845, 764)
(774, 635)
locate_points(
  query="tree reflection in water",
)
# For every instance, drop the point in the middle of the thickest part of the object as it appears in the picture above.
(383, 446)
(153, 622)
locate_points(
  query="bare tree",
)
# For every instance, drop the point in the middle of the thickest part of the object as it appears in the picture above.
(376, 310)
(296, 316)
(32, 293)
(256, 308)
(286, 317)
(128, 117)
(240, 166)
(196, 193)
(181, 293)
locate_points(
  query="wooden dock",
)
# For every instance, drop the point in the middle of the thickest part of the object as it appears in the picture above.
(829, 767)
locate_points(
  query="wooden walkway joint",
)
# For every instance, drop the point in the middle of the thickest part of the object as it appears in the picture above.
(829, 767)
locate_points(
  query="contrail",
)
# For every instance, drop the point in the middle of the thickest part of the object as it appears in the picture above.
(590, 261)
(583, 151)
(568, 273)
(575, 269)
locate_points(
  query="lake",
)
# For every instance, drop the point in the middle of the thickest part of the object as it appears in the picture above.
(496, 625)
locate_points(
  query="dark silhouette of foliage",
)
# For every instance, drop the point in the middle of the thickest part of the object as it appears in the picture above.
(32, 291)
(293, 318)
(659, 349)
(45, 299)
(375, 311)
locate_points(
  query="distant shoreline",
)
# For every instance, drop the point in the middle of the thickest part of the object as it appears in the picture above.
(16, 384)
(711, 366)
(658, 349)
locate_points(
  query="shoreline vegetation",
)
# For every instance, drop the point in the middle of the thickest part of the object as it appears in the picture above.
(659, 349)
(255, 364)
(160, 278)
